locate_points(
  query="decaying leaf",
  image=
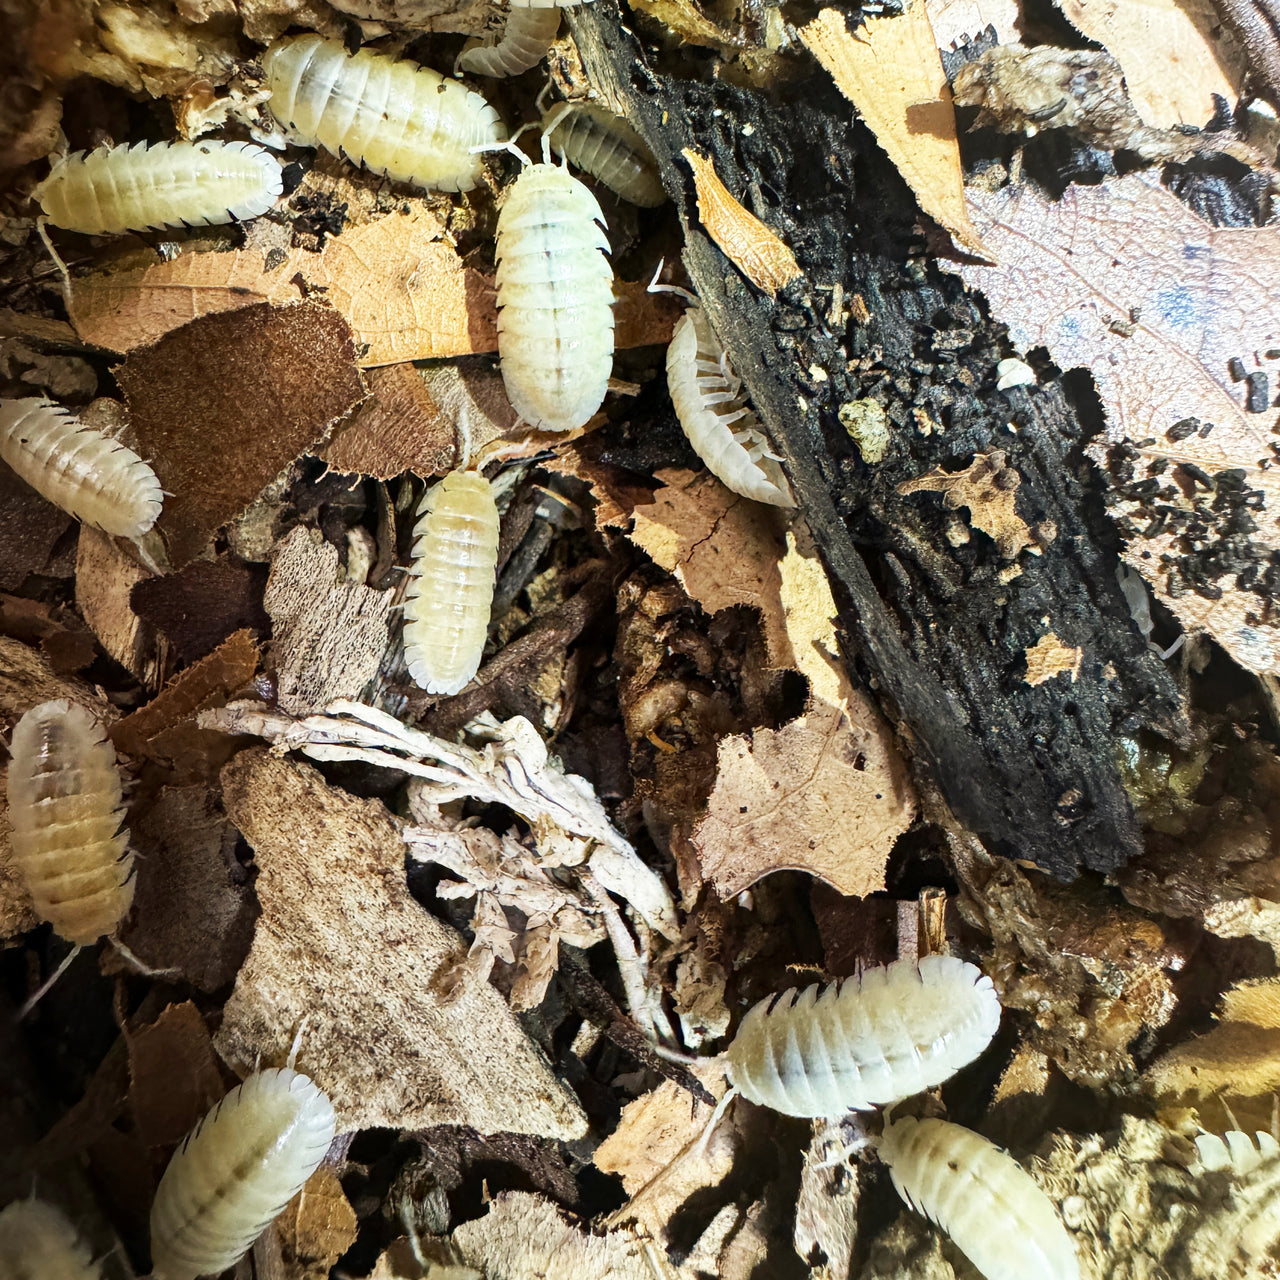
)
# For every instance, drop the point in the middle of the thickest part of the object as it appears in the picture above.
(1123, 279)
(222, 404)
(955, 22)
(317, 1227)
(892, 73)
(29, 527)
(342, 947)
(105, 578)
(762, 256)
(329, 635)
(173, 1075)
(1049, 657)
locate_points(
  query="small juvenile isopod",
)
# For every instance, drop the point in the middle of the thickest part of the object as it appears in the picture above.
(555, 299)
(39, 1242)
(170, 184)
(604, 145)
(95, 479)
(399, 119)
(868, 1041)
(65, 813)
(524, 42)
(450, 592)
(709, 402)
(981, 1197)
(235, 1172)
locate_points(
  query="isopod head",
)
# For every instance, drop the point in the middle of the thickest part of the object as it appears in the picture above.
(39, 1242)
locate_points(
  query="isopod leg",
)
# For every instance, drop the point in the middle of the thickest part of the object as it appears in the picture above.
(41, 225)
(47, 985)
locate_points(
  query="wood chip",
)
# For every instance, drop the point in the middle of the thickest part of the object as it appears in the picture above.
(1049, 657)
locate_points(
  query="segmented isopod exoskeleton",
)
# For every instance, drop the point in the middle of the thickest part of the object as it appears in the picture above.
(709, 402)
(593, 139)
(79, 469)
(868, 1041)
(39, 1242)
(235, 1172)
(65, 812)
(524, 42)
(170, 184)
(1236, 1151)
(555, 299)
(981, 1197)
(394, 117)
(450, 593)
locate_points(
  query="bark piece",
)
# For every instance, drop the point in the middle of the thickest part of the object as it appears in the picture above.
(198, 608)
(342, 944)
(105, 579)
(30, 525)
(221, 405)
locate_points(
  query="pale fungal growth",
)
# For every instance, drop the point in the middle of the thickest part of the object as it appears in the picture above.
(450, 593)
(555, 299)
(711, 406)
(65, 812)
(1014, 373)
(401, 120)
(524, 43)
(868, 1041)
(170, 184)
(77, 468)
(1236, 1151)
(981, 1197)
(235, 1172)
(39, 1242)
(593, 139)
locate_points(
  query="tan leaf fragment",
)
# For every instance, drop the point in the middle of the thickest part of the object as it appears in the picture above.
(1124, 280)
(892, 73)
(317, 1227)
(762, 256)
(1049, 657)
(342, 944)
(955, 22)
(524, 1235)
(1176, 54)
(1257, 1002)
(174, 1075)
(105, 575)
(328, 634)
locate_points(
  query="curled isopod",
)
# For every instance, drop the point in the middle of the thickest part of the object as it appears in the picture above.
(981, 1197)
(39, 1242)
(79, 469)
(1236, 1151)
(394, 117)
(170, 184)
(235, 1172)
(722, 428)
(868, 1041)
(524, 42)
(593, 139)
(65, 813)
(555, 299)
(450, 593)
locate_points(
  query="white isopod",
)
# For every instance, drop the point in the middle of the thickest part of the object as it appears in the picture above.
(65, 812)
(981, 1197)
(1236, 1151)
(722, 428)
(868, 1041)
(525, 39)
(450, 592)
(235, 1172)
(79, 469)
(39, 1242)
(593, 139)
(399, 119)
(170, 184)
(555, 299)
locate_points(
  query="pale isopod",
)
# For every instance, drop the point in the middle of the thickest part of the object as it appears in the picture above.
(170, 184)
(450, 593)
(235, 1172)
(868, 1041)
(555, 299)
(723, 430)
(1236, 1151)
(394, 117)
(525, 40)
(981, 1197)
(79, 469)
(65, 811)
(604, 145)
(38, 1242)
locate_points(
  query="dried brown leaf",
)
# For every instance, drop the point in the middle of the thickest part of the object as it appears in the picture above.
(342, 944)
(328, 634)
(105, 578)
(1123, 279)
(1049, 657)
(222, 404)
(892, 73)
(173, 1075)
(762, 256)
(317, 1227)
(29, 527)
